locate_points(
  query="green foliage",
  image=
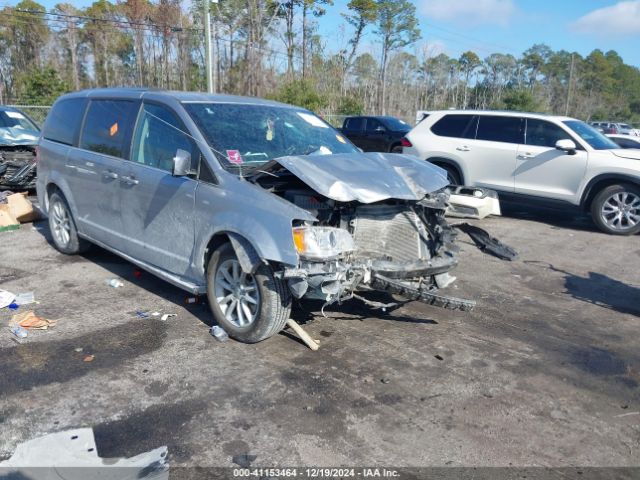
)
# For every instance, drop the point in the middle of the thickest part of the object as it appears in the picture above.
(301, 93)
(42, 87)
(397, 24)
(520, 100)
(350, 106)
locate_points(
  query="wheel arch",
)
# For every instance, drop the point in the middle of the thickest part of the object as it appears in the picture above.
(449, 162)
(247, 254)
(599, 182)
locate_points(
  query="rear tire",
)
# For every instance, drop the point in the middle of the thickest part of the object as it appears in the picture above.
(452, 174)
(616, 209)
(397, 148)
(63, 227)
(251, 308)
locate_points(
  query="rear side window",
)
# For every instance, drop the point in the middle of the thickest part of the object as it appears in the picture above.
(501, 129)
(544, 134)
(457, 126)
(63, 122)
(108, 125)
(354, 124)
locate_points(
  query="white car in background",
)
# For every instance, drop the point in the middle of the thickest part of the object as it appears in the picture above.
(626, 141)
(526, 156)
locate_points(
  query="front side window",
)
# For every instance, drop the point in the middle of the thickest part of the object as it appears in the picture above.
(158, 137)
(246, 136)
(374, 125)
(544, 134)
(501, 129)
(63, 122)
(107, 126)
(594, 138)
(456, 126)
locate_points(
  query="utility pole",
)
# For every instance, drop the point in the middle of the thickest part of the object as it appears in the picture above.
(208, 46)
(566, 110)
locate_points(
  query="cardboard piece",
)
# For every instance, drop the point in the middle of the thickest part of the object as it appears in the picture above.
(21, 208)
(7, 221)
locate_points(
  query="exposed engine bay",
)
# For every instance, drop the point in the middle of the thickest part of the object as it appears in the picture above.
(17, 167)
(398, 246)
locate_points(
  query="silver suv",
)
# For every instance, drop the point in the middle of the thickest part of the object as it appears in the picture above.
(560, 160)
(248, 201)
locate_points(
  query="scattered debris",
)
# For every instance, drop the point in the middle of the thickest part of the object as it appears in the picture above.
(78, 349)
(219, 333)
(167, 316)
(142, 314)
(74, 454)
(439, 357)
(6, 298)
(114, 282)
(7, 222)
(31, 321)
(304, 336)
(89, 358)
(13, 306)
(25, 298)
(385, 380)
(155, 314)
(487, 243)
(472, 202)
(19, 332)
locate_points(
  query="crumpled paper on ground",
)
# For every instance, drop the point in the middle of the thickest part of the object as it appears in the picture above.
(31, 321)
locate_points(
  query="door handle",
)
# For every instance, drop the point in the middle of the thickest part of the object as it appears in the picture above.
(130, 180)
(463, 148)
(525, 156)
(110, 175)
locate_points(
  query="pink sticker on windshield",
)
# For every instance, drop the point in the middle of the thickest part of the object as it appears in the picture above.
(234, 157)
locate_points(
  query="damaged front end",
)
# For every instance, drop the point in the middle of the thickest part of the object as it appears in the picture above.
(388, 237)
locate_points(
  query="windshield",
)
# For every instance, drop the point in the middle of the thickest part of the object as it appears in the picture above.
(17, 128)
(395, 124)
(250, 135)
(590, 135)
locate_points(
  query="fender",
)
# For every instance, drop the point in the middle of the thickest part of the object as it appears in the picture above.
(247, 255)
(588, 191)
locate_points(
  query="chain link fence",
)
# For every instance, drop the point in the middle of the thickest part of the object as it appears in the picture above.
(36, 112)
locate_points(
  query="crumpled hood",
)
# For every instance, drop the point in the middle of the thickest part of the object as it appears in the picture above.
(632, 153)
(18, 136)
(367, 177)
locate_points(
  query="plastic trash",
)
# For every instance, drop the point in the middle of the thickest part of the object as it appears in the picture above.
(142, 314)
(19, 332)
(219, 333)
(115, 282)
(25, 298)
(167, 316)
(13, 306)
(6, 298)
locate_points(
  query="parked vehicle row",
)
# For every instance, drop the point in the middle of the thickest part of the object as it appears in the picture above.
(535, 157)
(615, 128)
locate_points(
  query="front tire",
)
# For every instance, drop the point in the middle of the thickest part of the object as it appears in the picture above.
(251, 308)
(452, 174)
(63, 227)
(616, 209)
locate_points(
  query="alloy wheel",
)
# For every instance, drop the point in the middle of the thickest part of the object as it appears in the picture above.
(236, 293)
(61, 224)
(621, 211)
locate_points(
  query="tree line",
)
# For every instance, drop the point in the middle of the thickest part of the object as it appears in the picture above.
(378, 64)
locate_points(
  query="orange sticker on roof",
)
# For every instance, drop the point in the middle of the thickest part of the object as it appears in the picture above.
(114, 129)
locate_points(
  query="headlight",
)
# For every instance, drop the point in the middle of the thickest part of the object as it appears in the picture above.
(320, 243)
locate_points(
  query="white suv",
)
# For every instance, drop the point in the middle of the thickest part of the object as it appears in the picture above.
(559, 159)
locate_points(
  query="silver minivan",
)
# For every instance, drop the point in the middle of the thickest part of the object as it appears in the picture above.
(248, 201)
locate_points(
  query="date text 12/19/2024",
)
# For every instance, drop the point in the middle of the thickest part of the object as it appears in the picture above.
(310, 472)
